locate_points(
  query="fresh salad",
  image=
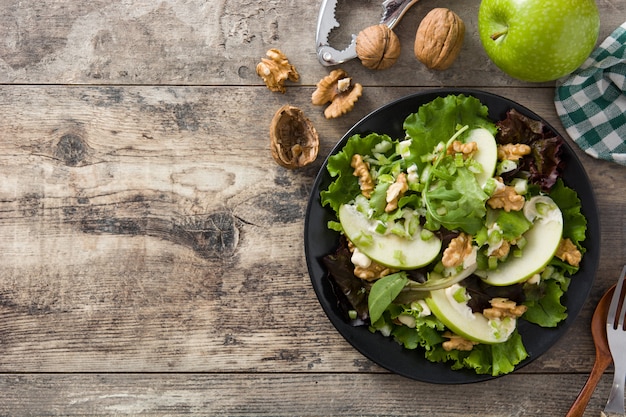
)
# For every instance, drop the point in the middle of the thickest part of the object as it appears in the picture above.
(455, 232)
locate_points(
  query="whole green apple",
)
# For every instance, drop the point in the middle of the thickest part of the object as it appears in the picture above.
(538, 40)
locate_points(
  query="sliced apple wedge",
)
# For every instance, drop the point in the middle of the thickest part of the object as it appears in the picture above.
(459, 318)
(487, 153)
(387, 249)
(542, 241)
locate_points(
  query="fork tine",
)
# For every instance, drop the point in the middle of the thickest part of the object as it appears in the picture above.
(617, 301)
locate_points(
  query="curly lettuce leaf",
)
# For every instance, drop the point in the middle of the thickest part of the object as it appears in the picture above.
(574, 222)
(497, 359)
(345, 187)
(426, 333)
(439, 120)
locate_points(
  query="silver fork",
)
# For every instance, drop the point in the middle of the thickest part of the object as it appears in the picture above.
(616, 334)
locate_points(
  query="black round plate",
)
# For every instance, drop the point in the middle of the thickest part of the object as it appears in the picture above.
(320, 241)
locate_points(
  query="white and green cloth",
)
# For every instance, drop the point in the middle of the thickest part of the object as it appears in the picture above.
(591, 101)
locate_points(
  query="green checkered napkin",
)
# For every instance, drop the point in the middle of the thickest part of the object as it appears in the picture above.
(591, 101)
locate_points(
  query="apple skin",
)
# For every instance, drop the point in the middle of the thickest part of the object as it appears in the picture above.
(541, 40)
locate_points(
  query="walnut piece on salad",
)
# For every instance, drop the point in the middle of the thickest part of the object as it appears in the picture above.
(456, 342)
(459, 248)
(362, 171)
(505, 197)
(467, 149)
(395, 192)
(568, 252)
(502, 307)
(365, 268)
(513, 151)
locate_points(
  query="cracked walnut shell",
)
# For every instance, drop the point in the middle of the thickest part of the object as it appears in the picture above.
(378, 47)
(337, 89)
(439, 38)
(294, 142)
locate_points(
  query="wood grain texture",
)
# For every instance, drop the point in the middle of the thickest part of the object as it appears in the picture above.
(136, 235)
(288, 395)
(220, 42)
(151, 249)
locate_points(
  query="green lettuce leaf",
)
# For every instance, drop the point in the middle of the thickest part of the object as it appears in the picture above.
(345, 187)
(457, 204)
(544, 302)
(440, 119)
(512, 224)
(497, 359)
(574, 222)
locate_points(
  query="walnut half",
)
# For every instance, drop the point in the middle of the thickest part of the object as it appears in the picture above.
(294, 142)
(275, 70)
(337, 89)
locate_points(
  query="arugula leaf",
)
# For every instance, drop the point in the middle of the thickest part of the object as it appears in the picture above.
(383, 292)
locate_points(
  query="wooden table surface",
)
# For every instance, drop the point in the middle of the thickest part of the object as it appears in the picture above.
(152, 250)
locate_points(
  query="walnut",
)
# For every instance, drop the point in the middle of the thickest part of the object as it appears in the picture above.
(275, 70)
(395, 191)
(370, 271)
(506, 197)
(378, 47)
(439, 38)
(512, 151)
(337, 89)
(459, 248)
(294, 142)
(362, 170)
(568, 252)
(467, 149)
(457, 342)
(502, 250)
(503, 307)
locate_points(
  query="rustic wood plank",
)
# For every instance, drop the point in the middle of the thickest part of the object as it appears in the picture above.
(219, 42)
(135, 234)
(276, 394)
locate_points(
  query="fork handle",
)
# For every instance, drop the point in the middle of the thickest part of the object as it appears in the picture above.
(580, 404)
(615, 404)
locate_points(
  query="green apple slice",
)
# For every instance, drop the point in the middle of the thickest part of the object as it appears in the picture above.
(459, 318)
(542, 241)
(487, 153)
(387, 249)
